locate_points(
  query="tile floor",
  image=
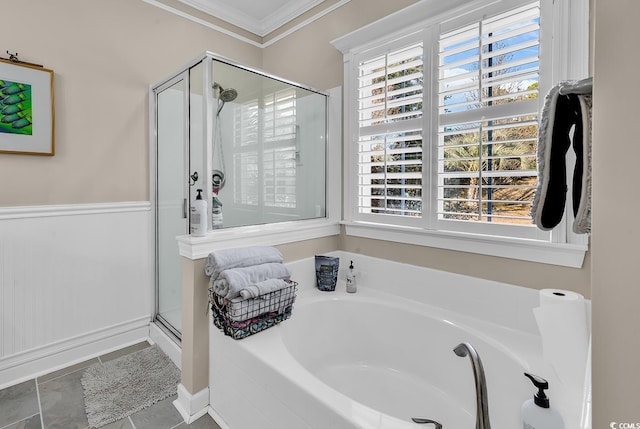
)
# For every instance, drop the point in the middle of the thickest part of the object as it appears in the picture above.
(55, 401)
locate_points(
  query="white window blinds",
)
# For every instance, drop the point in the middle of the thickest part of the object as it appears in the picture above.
(390, 104)
(486, 104)
(266, 151)
(487, 116)
(280, 149)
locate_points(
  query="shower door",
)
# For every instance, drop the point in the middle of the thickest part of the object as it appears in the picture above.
(171, 210)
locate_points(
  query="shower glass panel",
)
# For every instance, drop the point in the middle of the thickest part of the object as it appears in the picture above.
(254, 144)
(269, 147)
(170, 189)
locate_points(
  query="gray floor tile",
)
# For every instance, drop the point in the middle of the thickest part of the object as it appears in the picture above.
(32, 422)
(67, 370)
(125, 351)
(162, 415)
(62, 401)
(18, 402)
(120, 424)
(204, 422)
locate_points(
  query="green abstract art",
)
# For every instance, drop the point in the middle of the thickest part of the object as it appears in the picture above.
(15, 108)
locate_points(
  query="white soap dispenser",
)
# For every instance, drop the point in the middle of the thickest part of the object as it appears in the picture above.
(198, 216)
(351, 280)
(537, 412)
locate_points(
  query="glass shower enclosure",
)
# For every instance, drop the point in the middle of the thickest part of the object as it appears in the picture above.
(253, 143)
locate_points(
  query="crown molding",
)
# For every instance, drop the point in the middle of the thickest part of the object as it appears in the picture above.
(287, 13)
(240, 37)
(261, 27)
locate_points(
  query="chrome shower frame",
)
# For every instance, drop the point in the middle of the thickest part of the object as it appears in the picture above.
(209, 110)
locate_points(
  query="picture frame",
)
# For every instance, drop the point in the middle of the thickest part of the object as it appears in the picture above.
(26, 109)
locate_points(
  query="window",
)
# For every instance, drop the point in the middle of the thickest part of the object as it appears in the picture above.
(488, 77)
(280, 149)
(442, 145)
(390, 133)
(271, 121)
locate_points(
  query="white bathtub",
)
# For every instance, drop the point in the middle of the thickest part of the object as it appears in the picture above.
(376, 359)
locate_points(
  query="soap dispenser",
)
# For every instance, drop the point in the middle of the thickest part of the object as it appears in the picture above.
(537, 412)
(351, 279)
(198, 218)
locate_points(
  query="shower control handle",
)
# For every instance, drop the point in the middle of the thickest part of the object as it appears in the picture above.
(184, 208)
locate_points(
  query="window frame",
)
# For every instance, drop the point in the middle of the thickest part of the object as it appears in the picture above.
(565, 57)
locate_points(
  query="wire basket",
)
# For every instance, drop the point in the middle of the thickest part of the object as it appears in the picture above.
(239, 318)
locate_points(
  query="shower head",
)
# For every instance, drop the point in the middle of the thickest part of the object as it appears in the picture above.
(229, 94)
(225, 95)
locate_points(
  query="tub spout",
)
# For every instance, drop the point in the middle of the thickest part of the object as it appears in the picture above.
(482, 400)
(427, 421)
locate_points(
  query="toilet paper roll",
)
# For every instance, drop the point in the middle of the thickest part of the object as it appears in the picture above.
(558, 296)
(562, 321)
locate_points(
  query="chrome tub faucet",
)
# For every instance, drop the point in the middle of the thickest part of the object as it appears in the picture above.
(482, 400)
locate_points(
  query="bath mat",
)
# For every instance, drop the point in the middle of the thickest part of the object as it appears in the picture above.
(123, 386)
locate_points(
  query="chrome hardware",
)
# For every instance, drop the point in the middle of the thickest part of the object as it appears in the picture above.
(482, 400)
(422, 421)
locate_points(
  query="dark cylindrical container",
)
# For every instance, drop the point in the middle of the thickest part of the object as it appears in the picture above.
(327, 272)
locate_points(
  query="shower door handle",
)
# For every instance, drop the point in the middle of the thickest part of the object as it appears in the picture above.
(184, 208)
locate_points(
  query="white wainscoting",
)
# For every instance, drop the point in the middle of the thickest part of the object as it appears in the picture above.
(75, 281)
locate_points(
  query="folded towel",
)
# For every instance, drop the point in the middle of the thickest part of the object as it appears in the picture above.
(230, 282)
(244, 309)
(244, 323)
(263, 287)
(225, 259)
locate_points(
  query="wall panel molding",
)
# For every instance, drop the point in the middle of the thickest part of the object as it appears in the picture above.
(70, 276)
(22, 212)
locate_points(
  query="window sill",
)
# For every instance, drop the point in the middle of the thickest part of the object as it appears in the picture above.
(256, 235)
(565, 254)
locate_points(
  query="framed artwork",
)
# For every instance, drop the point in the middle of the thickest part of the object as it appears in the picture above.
(26, 109)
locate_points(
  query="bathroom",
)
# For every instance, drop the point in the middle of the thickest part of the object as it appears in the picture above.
(83, 217)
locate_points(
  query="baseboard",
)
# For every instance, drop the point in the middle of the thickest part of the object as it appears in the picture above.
(192, 407)
(42, 360)
(166, 344)
(218, 419)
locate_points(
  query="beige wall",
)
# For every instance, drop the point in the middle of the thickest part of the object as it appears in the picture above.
(309, 248)
(528, 274)
(105, 54)
(616, 230)
(195, 326)
(308, 57)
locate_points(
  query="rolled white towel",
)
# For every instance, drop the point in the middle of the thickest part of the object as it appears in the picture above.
(230, 282)
(226, 259)
(245, 309)
(263, 287)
